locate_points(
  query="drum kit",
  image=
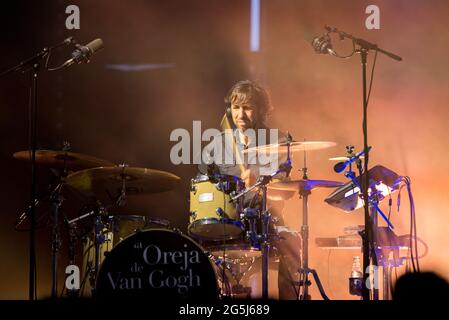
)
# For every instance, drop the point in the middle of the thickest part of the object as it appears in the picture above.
(230, 250)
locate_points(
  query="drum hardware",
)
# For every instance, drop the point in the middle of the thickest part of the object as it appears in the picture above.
(251, 215)
(99, 239)
(121, 199)
(304, 188)
(64, 161)
(72, 241)
(265, 215)
(57, 200)
(81, 217)
(349, 154)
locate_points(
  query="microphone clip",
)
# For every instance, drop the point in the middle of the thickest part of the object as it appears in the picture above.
(339, 167)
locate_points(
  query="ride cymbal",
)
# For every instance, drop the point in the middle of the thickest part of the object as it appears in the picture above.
(300, 185)
(296, 146)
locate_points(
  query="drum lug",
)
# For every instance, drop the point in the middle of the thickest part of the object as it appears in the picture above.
(193, 189)
(193, 215)
(220, 211)
(222, 186)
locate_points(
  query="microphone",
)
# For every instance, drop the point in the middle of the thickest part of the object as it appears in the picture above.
(323, 45)
(83, 53)
(339, 167)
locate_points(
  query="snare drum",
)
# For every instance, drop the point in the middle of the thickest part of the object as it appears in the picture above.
(213, 216)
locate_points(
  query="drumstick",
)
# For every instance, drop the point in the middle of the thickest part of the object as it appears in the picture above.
(226, 125)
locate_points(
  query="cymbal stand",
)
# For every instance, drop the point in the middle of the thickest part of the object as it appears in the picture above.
(99, 239)
(57, 199)
(73, 238)
(121, 199)
(305, 270)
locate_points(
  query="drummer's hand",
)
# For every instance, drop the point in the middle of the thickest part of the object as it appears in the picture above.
(248, 177)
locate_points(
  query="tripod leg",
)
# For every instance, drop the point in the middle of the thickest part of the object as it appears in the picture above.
(318, 283)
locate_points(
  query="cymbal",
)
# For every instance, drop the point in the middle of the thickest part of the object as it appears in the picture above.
(60, 159)
(294, 147)
(343, 158)
(300, 185)
(111, 179)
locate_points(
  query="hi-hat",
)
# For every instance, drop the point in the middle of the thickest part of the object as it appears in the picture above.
(63, 159)
(301, 185)
(113, 179)
(281, 148)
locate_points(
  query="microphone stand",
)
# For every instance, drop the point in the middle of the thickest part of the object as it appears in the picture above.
(365, 47)
(33, 64)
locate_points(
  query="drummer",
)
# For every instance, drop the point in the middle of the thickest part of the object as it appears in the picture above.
(247, 108)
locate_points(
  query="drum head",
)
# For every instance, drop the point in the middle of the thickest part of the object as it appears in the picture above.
(158, 264)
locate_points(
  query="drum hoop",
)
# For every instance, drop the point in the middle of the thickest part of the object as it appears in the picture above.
(220, 177)
(234, 246)
(130, 217)
(211, 221)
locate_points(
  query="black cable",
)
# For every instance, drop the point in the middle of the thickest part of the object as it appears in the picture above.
(35, 279)
(390, 204)
(328, 270)
(426, 248)
(371, 79)
(299, 297)
(413, 212)
(412, 253)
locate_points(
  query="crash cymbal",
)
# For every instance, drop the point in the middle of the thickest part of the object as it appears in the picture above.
(300, 185)
(59, 159)
(111, 179)
(343, 158)
(281, 148)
